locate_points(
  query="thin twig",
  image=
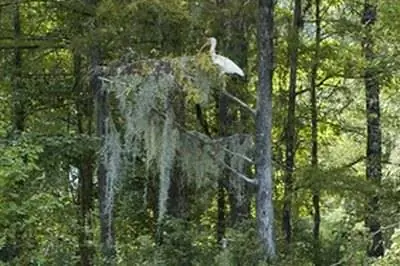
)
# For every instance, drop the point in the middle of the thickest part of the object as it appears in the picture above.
(390, 226)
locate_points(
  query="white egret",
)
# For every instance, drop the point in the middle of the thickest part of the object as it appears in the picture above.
(224, 64)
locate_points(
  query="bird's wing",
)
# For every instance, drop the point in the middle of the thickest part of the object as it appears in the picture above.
(228, 66)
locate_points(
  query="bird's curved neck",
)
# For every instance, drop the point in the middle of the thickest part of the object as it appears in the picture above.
(212, 48)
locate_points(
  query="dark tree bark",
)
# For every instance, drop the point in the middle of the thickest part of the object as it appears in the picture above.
(178, 197)
(178, 205)
(291, 123)
(85, 201)
(223, 180)
(374, 135)
(314, 132)
(18, 95)
(107, 233)
(85, 164)
(264, 204)
(223, 129)
(221, 186)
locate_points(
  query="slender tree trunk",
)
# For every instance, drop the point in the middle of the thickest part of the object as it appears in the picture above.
(374, 135)
(223, 179)
(178, 191)
(85, 165)
(178, 197)
(221, 221)
(85, 197)
(291, 124)
(78, 90)
(314, 132)
(18, 95)
(106, 208)
(107, 234)
(264, 204)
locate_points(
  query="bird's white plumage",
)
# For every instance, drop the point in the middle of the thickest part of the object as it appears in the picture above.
(225, 64)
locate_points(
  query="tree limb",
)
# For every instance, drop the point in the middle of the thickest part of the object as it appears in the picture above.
(240, 102)
(245, 178)
(247, 159)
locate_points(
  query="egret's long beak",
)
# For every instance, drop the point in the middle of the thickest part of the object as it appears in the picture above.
(204, 46)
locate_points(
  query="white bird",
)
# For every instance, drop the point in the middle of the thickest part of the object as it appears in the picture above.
(225, 64)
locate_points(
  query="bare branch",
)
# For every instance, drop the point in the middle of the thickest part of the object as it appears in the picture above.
(302, 91)
(245, 178)
(390, 163)
(351, 164)
(31, 44)
(247, 159)
(322, 82)
(240, 102)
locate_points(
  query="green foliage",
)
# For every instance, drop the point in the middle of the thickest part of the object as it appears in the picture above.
(183, 243)
(243, 248)
(392, 253)
(27, 204)
(197, 77)
(39, 205)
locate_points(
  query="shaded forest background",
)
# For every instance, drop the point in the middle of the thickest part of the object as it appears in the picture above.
(121, 144)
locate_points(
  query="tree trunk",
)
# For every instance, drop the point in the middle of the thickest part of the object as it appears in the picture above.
(178, 190)
(221, 222)
(291, 123)
(106, 208)
(18, 95)
(314, 132)
(264, 204)
(374, 135)
(224, 178)
(85, 199)
(107, 234)
(85, 166)
(178, 198)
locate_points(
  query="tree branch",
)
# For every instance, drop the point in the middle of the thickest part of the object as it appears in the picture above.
(245, 178)
(302, 91)
(240, 102)
(247, 159)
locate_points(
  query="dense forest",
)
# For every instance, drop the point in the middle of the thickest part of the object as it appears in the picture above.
(126, 139)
